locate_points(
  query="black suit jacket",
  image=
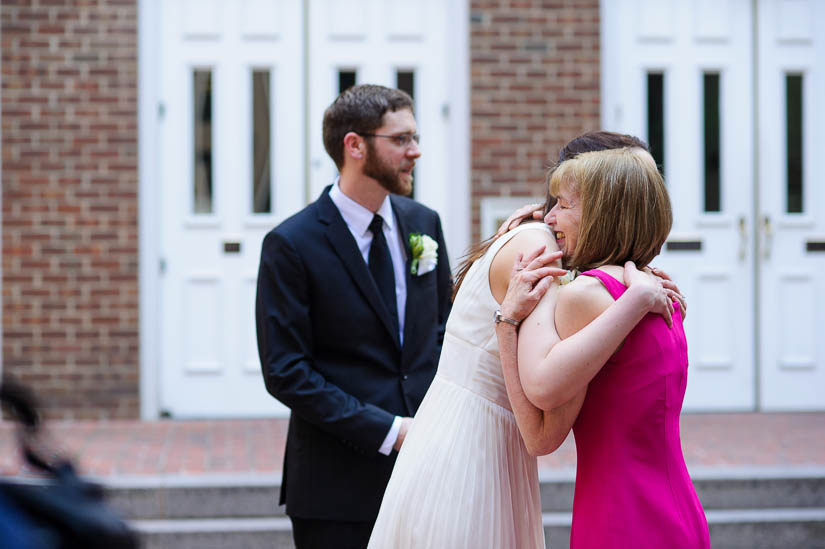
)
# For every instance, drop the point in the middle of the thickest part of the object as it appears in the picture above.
(329, 353)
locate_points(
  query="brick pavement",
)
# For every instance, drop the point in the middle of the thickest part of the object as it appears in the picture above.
(135, 448)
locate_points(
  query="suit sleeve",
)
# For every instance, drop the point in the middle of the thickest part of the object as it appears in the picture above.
(284, 329)
(445, 284)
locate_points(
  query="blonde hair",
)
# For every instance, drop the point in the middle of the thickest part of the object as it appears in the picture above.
(588, 142)
(625, 207)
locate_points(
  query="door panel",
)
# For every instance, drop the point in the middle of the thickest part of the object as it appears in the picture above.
(792, 203)
(211, 246)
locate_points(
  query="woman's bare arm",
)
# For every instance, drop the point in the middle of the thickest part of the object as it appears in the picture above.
(542, 431)
(591, 327)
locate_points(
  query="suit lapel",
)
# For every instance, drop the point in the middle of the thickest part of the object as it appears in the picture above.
(344, 245)
(404, 231)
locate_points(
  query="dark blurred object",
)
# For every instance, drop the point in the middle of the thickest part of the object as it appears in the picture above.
(62, 512)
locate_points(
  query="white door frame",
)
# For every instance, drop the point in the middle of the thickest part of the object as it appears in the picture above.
(149, 194)
(453, 204)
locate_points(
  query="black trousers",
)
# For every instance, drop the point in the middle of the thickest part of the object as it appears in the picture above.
(330, 534)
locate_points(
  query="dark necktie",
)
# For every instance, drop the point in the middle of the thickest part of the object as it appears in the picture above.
(380, 264)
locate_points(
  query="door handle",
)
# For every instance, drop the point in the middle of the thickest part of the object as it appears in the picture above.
(767, 228)
(743, 238)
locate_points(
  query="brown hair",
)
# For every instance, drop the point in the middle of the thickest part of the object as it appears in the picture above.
(359, 109)
(588, 142)
(625, 208)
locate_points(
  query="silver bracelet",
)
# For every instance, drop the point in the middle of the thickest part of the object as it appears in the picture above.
(499, 318)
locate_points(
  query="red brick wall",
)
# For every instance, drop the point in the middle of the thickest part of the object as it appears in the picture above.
(70, 227)
(534, 85)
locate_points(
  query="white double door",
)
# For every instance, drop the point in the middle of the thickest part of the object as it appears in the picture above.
(243, 86)
(734, 112)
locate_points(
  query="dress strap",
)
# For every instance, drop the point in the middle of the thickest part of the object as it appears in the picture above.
(613, 286)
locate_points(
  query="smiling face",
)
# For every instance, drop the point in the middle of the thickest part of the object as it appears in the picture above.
(613, 207)
(389, 162)
(565, 218)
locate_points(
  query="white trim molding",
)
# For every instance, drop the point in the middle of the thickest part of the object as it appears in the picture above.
(150, 117)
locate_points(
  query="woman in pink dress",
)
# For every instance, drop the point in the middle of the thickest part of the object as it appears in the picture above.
(632, 486)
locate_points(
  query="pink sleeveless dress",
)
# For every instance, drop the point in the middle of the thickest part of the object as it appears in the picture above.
(632, 486)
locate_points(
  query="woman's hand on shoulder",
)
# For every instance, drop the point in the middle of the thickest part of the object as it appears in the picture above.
(523, 270)
(651, 290)
(520, 246)
(531, 211)
(530, 279)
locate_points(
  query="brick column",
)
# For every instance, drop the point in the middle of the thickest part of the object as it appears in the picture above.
(534, 85)
(70, 220)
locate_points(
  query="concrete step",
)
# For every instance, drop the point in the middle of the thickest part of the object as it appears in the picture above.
(746, 508)
(162, 498)
(734, 488)
(235, 533)
(733, 529)
(198, 497)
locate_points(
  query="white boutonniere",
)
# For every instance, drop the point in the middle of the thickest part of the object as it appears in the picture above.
(569, 277)
(424, 254)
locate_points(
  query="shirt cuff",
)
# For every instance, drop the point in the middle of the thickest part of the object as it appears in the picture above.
(392, 436)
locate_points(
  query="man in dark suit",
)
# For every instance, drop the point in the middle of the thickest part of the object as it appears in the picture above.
(350, 312)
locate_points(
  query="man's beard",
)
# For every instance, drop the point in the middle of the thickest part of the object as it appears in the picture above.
(388, 177)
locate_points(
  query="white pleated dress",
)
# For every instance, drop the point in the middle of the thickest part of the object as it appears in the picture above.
(463, 478)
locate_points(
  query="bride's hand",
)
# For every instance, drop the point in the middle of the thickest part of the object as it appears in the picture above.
(515, 219)
(671, 288)
(529, 280)
(651, 287)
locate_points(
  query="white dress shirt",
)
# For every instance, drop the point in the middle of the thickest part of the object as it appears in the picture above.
(358, 219)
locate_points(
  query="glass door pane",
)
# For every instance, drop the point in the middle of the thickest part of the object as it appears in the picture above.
(202, 128)
(793, 143)
(261, 145)
(712, 187)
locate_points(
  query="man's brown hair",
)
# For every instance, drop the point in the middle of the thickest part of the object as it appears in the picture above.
(359, 109)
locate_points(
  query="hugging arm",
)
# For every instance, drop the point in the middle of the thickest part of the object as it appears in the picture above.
(592, 327)
(542, 431)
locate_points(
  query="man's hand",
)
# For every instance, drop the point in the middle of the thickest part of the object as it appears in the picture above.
(529, 280)
(406, 423)
(533, 211)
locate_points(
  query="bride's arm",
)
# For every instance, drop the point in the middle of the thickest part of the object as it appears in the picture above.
(542, 431)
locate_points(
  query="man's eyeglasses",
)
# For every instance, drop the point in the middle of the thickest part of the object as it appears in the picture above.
(402, 140)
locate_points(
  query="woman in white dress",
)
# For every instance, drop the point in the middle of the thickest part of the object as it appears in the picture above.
(464, 477)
